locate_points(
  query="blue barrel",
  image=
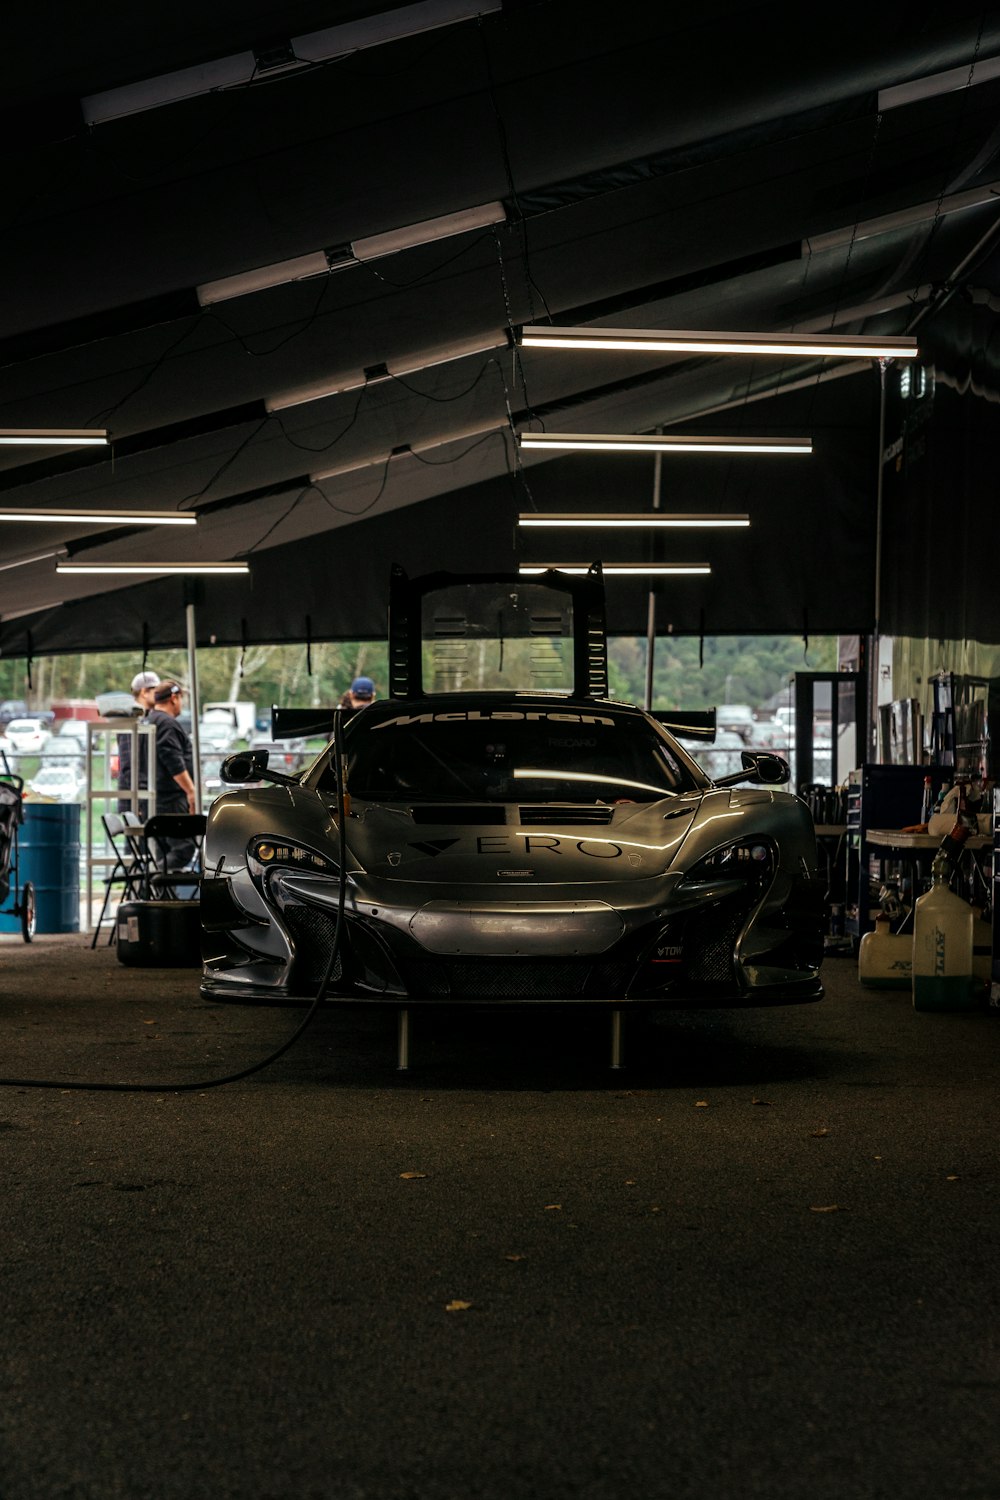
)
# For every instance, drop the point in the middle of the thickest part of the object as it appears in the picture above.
(49, 856)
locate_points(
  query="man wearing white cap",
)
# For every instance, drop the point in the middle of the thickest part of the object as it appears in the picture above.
(143, 686)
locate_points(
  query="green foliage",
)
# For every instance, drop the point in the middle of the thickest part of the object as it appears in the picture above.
(736, 669)
(270, 674)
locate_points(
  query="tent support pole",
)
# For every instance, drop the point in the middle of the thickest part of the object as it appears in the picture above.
(651, 611)
(874, 654)
(195, 701)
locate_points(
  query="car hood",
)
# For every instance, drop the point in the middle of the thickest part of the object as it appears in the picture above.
(500, 844)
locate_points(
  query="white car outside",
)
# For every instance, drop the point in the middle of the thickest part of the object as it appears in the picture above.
(56, 783)
(27, 736)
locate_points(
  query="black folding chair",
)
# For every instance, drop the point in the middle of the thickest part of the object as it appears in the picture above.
(128, 871)
(159, 832)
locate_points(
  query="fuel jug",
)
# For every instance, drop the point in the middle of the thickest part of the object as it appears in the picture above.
(943, 975)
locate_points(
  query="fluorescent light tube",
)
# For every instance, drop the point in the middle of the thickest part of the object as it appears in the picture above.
(321, 262)
(191, 567)
(356, 379)
(623, 522)
(631, 570)
(281, 273)
(168, 88)
(108, 518)
(664, 443)
(24, 562)
(904, 218)
(390, 26)
(947, 82)
(243, 68)
(68, 437)
(540, 336)
(429, 230)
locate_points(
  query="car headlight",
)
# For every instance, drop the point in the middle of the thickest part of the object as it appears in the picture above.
(264, 854)
(750, 860)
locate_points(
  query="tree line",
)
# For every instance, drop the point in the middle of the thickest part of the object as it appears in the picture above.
(688, 674)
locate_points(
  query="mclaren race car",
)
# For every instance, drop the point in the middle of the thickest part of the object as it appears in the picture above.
(503, 845)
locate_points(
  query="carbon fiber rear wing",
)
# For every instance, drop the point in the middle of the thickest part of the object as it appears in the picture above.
(443, 623)
(699, 724)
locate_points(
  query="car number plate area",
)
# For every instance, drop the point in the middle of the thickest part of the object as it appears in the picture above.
(517, 928)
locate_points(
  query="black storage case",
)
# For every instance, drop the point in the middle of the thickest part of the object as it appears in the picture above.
(159, 934)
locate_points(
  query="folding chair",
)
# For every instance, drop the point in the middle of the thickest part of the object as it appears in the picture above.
(128, 871)
(180, 884)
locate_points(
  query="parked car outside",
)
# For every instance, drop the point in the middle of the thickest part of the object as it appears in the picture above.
(722, 757)
(217, 732)
(73, 732)
(284, 755)
(27, 736)
(56, 782)
(58, 751)
(737, 717)
(12, 708)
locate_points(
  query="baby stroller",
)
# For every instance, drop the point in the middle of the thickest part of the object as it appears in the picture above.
(11, 818)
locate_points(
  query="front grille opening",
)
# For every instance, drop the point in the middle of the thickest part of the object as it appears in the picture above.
(312, 933)
(710, 942)
(515, 979)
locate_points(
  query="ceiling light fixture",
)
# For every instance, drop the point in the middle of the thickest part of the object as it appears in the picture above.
(625, 522)
(390, 26)
(630, 570)
(282, 273)
(152, 567)
(101, 518)
(663, 443)
(356, 379)
(904, 218)
(339, 257)
(981, 71)
(539, 336)
(245, 68)
(68, 437)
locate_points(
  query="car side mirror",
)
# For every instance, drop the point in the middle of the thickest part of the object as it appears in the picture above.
(772, 770)
(251, 765)
(246, 766)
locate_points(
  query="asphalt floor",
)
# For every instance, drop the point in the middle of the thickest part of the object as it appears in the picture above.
(760, 1261)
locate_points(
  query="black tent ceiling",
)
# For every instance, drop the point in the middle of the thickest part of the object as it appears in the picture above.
(729, 167)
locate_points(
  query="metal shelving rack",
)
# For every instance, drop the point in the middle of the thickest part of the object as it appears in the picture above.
(104, 741)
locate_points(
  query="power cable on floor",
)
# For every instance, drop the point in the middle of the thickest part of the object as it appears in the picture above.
(212, 1083)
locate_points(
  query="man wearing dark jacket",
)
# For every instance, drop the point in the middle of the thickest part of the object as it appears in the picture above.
(143, 686)
(175, 791)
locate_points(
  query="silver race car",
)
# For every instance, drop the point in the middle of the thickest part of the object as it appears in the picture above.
(494, 844)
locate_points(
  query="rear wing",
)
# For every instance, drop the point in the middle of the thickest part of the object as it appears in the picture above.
(445, 622)
(698, 724)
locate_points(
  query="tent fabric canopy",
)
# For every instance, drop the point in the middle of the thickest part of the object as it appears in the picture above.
(650, 168)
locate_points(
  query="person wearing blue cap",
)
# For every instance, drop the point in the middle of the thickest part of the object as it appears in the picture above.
(358, 695)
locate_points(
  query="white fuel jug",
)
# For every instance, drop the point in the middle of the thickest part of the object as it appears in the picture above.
(942, 946)
(885, 958)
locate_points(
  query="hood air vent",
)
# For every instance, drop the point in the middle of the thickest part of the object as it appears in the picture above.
(535, 816)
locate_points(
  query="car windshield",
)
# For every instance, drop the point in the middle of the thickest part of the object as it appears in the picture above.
(512, 755)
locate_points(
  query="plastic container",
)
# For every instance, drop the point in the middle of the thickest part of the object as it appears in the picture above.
(943, 972)
(885, 959)
(48, 844)
(159, 934)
